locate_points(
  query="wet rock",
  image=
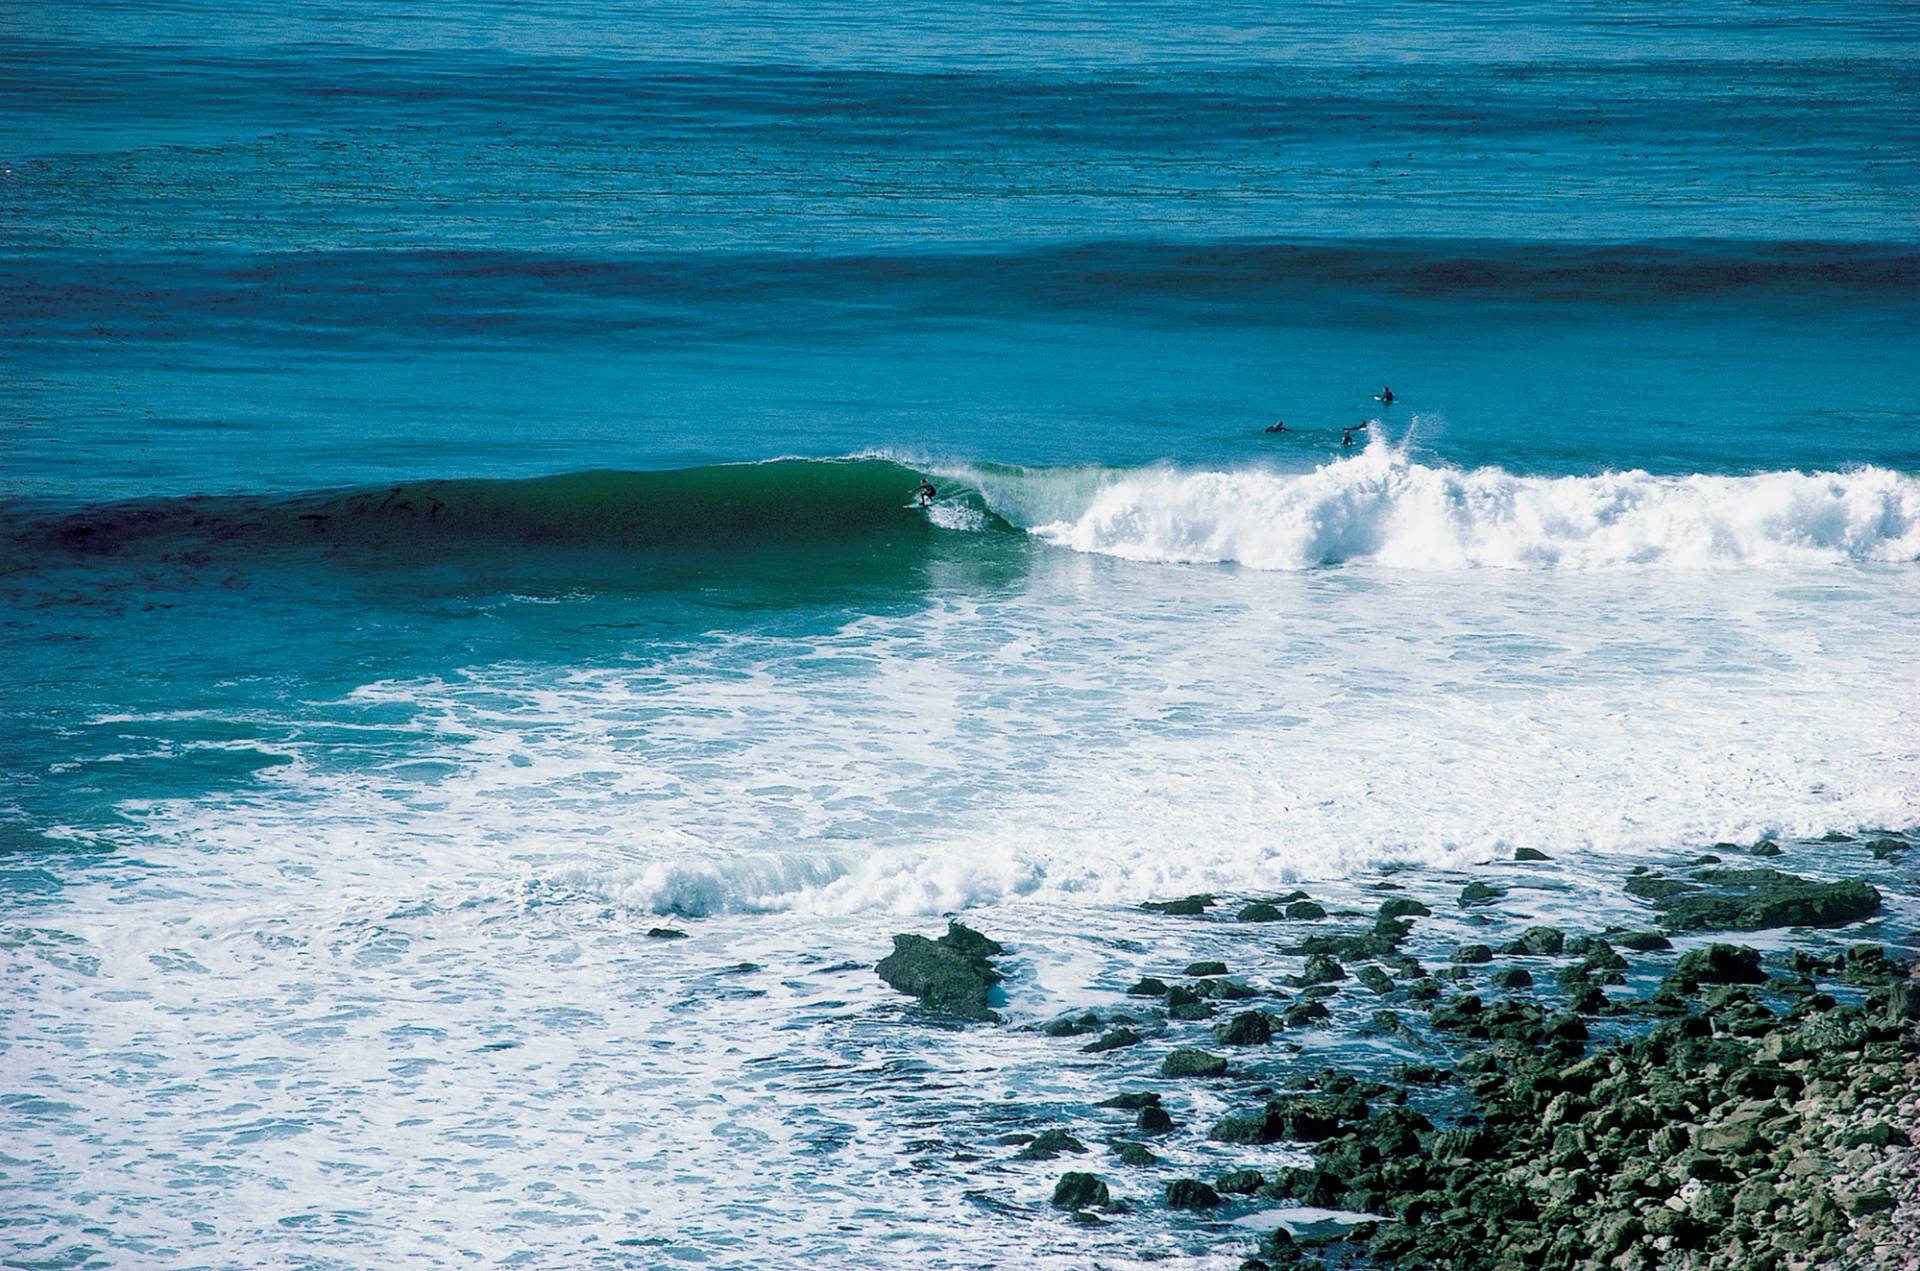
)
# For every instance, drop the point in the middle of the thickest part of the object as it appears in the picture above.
(1886, 849)
(1300, 1014)
(1153, 1119)
(1112, 1039)
(1051, 1143)
(1131, 1100)
(1528, 854)
(1765, 847)
(1191, 1193)
(1513, 977)
(1240, 1182)
(1641, 941)
(1249, 1028)
(665, 933)
(1538, 942)
(1071, 1026)
(1479, 893)
(1134, 1154)
(1147, 986)
(964, 940)
(1224, 990)
(1304, 909)
(1186, 907)
(1374, 978)
(1403, 907)
(1259, 911)
(1756, 899)
(1206, 968)
(945, 974)
(1722, 964)
(1321, 969)
(1189, 1062)
(1472, 954)
(1077, 1190)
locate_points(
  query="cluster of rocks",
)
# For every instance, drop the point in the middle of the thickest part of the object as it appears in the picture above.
(1740, 1114)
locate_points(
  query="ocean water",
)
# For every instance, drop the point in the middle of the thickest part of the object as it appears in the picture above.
(454, 483)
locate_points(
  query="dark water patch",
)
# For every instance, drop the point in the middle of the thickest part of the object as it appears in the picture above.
(484, 297)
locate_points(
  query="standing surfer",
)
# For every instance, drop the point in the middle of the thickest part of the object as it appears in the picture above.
(925, 493)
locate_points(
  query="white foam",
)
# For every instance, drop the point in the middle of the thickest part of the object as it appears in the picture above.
(1382, 507)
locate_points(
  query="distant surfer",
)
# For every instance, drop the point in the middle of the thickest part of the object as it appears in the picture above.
(1346, 435)
(1386, 397)
(925, 494)
(1278, 425)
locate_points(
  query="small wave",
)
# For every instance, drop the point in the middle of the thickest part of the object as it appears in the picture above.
(1384, 508)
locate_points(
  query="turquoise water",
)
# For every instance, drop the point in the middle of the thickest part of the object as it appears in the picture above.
(451, 522)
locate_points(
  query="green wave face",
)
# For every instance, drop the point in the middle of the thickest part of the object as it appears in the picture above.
(784, 504)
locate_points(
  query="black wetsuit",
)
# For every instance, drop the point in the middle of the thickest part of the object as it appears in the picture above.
(927, 494)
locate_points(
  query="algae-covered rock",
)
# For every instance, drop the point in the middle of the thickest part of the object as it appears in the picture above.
(1641, 941)
(1305, 909)
(1321, 969)
(1147, 986)
(1206, 968)
(1259, 911)
(1240, 1182)
(1722, 964)
(1403, 907)
(1051, 1143)
(1538, 942)
(942, 974)
(1134, 1153)
(1153, 1119)
(1479, 893)
(1513, 977)
(665, 933)
(1191, 1193)
(1756, 899)
(1186, 907)
(1112, 1039)
(1472, 954)
(1188, 1062)
(1249, 1028)
(1528, 854)
(1077, 1190)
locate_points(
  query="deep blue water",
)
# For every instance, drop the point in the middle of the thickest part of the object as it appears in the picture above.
(397, 617)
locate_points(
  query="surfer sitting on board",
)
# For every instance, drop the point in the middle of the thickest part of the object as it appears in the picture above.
(925, 493)
(1386, 397)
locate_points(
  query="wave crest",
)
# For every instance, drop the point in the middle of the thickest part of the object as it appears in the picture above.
(1382, 507)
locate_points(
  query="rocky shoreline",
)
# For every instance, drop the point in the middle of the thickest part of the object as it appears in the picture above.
(1751, 1107)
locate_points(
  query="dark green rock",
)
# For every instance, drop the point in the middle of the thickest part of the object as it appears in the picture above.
(1135, 1154)
(1641, 941)
(1403, 907)
(942, 977)
(1884, 849)
(1528, 854)
(1206, 968)
(1539, 942)
(1756, 899)
(1249, 1028)
(1185, 907)
(665, 933)
(1191, 1193)
(1147, 986)
(1321, 969)
(1113, 1039)
(1722, 964)
(1076, 1190)
(1513, 977)
(1240, 1182)
(1259, 911)
(1479, 893)
(1374, 978)
(1131, 1100)
(1188, 1062)
(1051, 1143)
(1153, 1119)
(1305, 909)
(1472, 954)
(965, 940)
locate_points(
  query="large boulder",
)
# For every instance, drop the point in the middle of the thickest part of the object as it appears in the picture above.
(1756, 899)
(950, 975)
(1722, 964)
